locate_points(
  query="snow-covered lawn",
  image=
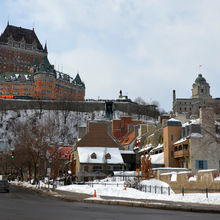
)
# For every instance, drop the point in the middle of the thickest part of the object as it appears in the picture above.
(120, 192)
(117, 189)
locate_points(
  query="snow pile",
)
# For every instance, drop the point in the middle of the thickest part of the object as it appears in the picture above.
(193, 179)
(157, 158)
(173, 177)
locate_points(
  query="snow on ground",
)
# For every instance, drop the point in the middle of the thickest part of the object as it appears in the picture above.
(117, 189)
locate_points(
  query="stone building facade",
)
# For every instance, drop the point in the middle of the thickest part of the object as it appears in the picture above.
(19, 47)
(194, 145)
(200, 97)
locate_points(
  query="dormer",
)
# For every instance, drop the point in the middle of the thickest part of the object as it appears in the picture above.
(93, 155)
(22, 43)
(107, 156)
(10, 40)
(34, 45)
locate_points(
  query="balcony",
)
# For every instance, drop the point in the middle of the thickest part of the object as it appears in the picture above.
(181, 153)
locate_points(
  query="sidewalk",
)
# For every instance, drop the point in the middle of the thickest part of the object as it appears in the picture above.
(156, 204)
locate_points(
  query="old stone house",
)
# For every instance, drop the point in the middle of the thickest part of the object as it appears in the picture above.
(97, 154)
(195, 144)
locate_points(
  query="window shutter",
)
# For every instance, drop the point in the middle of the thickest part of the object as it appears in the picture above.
(206, 164)
(197, 164)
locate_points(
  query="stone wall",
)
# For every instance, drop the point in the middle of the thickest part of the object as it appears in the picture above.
(190, 182)
(79, 106)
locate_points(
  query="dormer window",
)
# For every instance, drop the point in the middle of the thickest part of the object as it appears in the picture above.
(93, 155)
(108, 156)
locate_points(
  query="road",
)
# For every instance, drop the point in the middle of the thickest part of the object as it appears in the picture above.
(21, 204)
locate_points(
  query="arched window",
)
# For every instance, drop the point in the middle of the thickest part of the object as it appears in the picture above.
(93, 155)
(108, 156)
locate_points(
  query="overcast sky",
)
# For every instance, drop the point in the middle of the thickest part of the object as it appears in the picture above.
(146, 48)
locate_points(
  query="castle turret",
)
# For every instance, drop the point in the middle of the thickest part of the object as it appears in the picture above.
(201, 89)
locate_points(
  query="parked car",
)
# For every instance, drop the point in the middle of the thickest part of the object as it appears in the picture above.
(4, 186)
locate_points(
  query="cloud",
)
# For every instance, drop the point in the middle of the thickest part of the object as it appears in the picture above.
(146, 48)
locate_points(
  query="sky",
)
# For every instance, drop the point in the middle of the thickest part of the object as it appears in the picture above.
(146, 48)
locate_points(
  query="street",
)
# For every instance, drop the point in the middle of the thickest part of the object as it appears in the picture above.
(21, 204)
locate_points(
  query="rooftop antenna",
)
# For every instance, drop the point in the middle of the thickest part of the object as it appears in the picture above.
(33, 26)
(8, 20)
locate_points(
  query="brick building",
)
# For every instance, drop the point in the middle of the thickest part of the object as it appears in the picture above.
(25, 71)
(42, 82)
(18, 49)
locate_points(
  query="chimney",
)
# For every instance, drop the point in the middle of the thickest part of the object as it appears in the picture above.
(207, 120)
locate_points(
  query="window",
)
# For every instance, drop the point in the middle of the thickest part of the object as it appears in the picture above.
(172, 154)
(171, 137)
(86, 168)
(116, 168)
(201, 164)
(185, 146)
(182, 164)
(93, 155)
(187, 164)
(97, 168)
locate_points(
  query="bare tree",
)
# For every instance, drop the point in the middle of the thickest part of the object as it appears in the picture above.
(140, 101)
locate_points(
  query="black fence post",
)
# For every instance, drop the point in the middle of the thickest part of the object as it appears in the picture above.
(155, 189)
(207, 192)
(183, 191)
(169, 191)
(161, 189)
(150, 188)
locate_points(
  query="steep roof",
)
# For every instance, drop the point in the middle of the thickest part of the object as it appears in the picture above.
(100, 152)
(19, 33)
(98, 136)
(46, 67)
(78, 80)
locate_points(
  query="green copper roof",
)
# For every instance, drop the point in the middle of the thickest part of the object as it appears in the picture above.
(200, 78)
(36, 62)
(46, 67)
(78, 80)
(172, 122)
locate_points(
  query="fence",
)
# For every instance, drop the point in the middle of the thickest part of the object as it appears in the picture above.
(183, 191)
(154, 189)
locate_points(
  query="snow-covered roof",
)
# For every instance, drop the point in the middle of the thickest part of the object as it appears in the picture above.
(194, 121)
(86, 152)
(158, 147)
(157, 158)
(173, 119)
(127, 152)
(196, 135)
(181, 140)
(147, 147)
(207, 170)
